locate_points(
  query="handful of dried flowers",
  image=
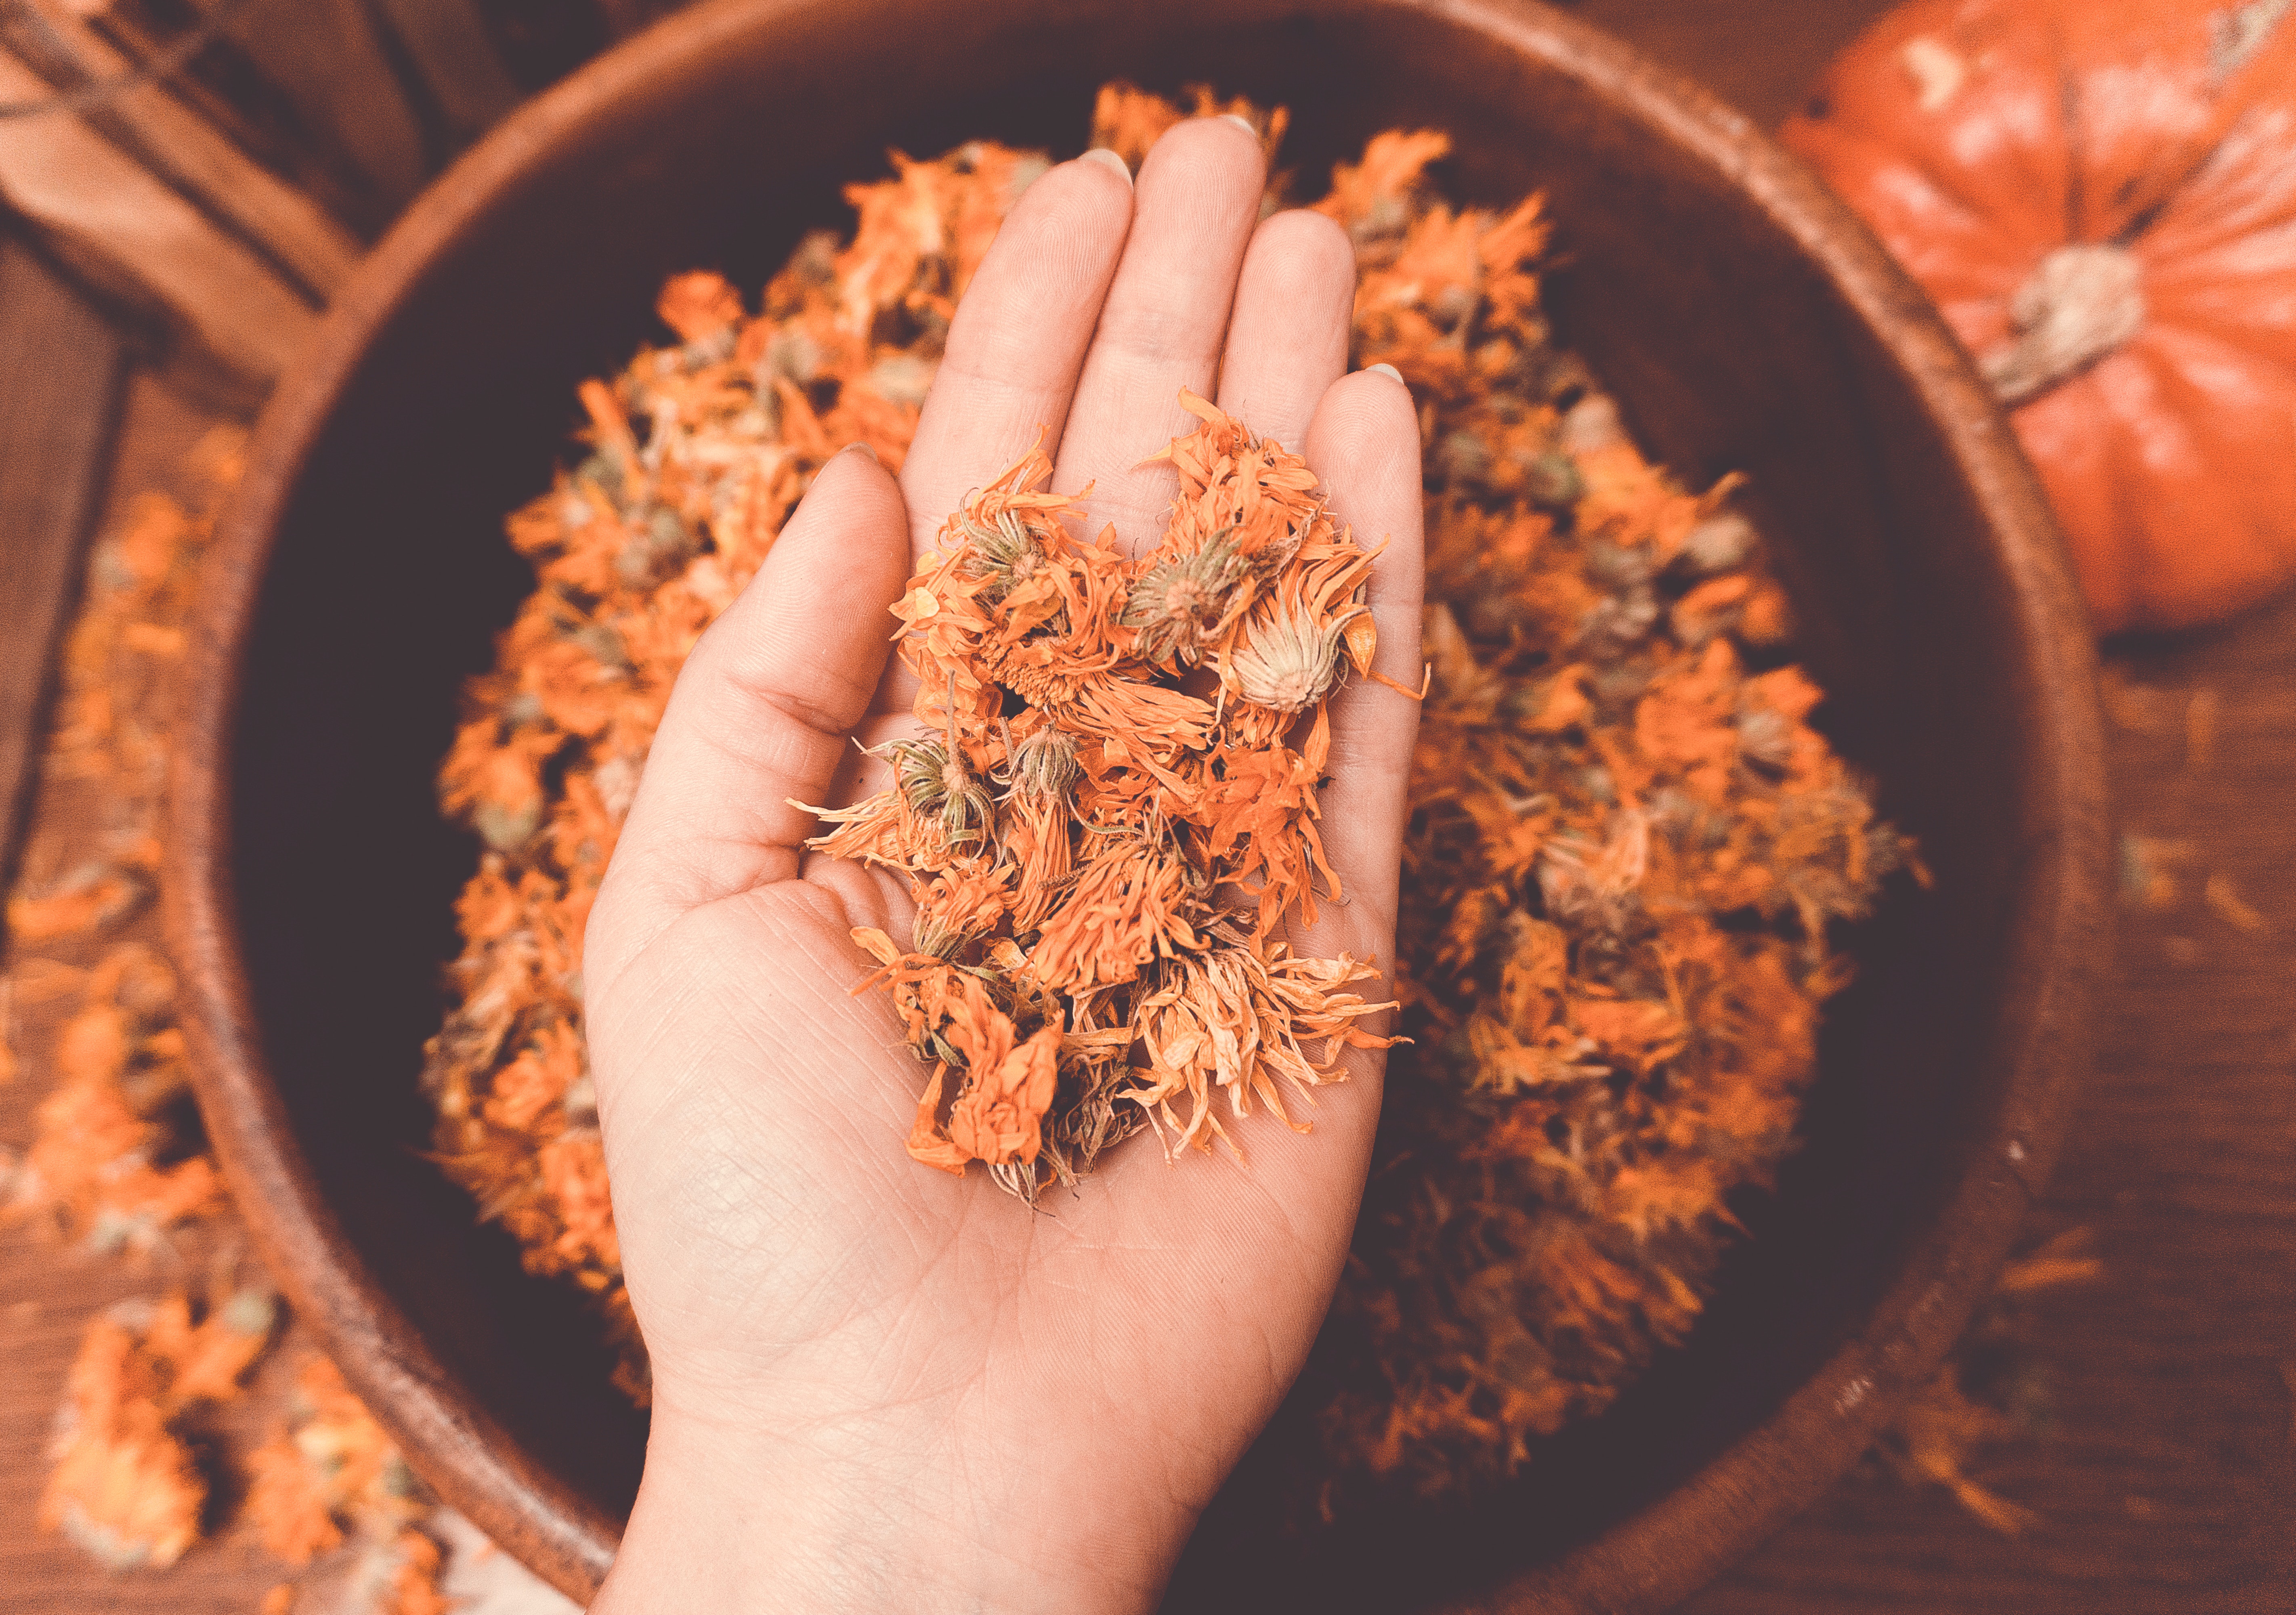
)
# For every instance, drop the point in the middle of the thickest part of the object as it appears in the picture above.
(1627, 849)
(1101, 856)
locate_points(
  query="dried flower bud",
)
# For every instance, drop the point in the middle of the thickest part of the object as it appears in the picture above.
(939, 938)
(507, 828)
(815, 258)
(901, 378)
(603, 641)
(1045, 763)
(1766, 736)
(919, 770)
(1618, 622)
(1452, 305)
(1618, 569)
(937, 785)
(1292, 661)
(1722, 542)
(967, 810)
(1463, 462)
(1590, 424)
(1388, 216)
(657, 547)
(791, 354)
(1553, 483)
(1003, 550)
(1183, 605)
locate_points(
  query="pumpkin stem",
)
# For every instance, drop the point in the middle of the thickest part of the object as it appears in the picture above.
(2082, 302)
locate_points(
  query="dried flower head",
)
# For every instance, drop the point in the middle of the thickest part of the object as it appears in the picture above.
(1184, 604)
(1289, 660)
(1002, 550)
(126, 1486)
(1043, 762)
(931, 779)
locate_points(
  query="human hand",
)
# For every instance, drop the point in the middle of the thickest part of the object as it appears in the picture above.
(876, 1385)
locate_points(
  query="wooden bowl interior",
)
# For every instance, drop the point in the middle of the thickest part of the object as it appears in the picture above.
(1729, 347)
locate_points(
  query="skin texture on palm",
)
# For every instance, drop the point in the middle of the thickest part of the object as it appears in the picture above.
(875, 1385)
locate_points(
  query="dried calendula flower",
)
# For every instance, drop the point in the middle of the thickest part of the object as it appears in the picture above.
(332, 1471)
(109, 1158)
(1128, 120)
(118, 1156)
(1289, 658)
(332, 1477)
(1096, 881)
(126, 1486)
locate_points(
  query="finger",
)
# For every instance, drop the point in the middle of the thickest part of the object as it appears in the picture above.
(761, 714)
(1018, 338)
(1165, 318)
(1365, 442)
(1287, 339)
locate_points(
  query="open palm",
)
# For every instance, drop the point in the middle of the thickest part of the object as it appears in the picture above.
(876, 1384)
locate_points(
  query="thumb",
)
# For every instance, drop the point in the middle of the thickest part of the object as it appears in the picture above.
(759, 716)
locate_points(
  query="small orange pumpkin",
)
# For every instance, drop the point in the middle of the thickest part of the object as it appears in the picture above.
(2100, 196)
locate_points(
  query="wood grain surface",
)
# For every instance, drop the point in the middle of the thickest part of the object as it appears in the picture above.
(326, 57)
(60, 374)
(114, 222)
(263, 212)
(50, 1289)
(2167, 1482)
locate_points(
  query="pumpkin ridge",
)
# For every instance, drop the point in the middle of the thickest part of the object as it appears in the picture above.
(2234, 345)
(2233, 202)
(1983, 244)
(2176, 565)
(2270, 64)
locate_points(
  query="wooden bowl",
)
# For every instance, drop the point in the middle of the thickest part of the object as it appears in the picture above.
(1745, 320)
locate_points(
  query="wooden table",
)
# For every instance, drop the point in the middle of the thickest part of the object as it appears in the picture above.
(2168, 1480)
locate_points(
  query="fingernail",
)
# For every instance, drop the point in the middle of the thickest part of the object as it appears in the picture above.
(1243, 123)
(1385, 370)
(858, 446)
(1103, 154)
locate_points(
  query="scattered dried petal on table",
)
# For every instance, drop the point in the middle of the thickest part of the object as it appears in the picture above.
(126, 1486)
(1936, 1438)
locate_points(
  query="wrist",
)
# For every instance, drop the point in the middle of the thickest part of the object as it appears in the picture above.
(731, 1519)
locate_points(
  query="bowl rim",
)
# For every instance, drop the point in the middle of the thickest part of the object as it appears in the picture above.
(1649, 1559)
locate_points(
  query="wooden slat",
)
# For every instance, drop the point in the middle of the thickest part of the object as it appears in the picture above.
(130, 234)
(324, 56)
(458, 63)
(60, 377)
(262, 212)
(221, 83)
